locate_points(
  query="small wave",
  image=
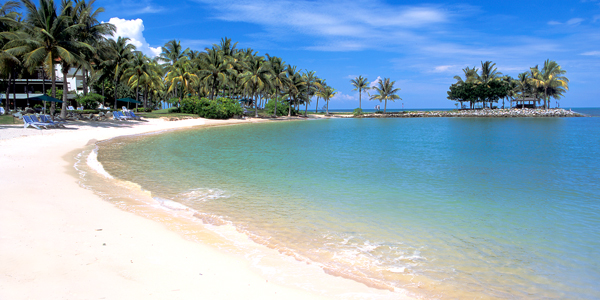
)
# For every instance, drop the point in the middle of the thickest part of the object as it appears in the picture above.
(170, 204)
(201, 195)
(94, 164)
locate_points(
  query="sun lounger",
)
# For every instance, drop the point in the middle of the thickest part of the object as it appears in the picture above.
(28, 122)
(47, 119)
(131, 115)
(120, 117)
(2, 111)
(70, 107)
(124, 108)
(124, 116)
(35, 119)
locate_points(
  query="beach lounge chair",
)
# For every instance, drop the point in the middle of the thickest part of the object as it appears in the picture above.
(119, 117)
(131, 115)
(80, 108)
(47, 119)
(124, 116)
(35, 119)
(124, 108)
(28, 122)
(70, 107)
(2, 111)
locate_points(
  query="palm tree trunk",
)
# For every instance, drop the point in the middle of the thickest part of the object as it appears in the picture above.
(275, 112)
(317, 105)
(63, 111)
(84, 71)
(6, 106)
(385, 106)
(327, 106)
(27, 88)
(290, 109)
(359, 98)
(14, 89)
(53, 104)
(255, 107)
(116, 94)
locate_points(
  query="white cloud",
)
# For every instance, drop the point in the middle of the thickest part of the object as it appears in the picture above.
(443, 69)
(591, 53)
(575, 21)
(133, 29)
(341, 97)
(375, 82)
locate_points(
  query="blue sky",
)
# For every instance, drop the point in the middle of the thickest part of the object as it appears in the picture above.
(420, 45)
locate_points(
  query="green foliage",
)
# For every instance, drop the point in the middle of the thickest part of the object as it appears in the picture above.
(282, 108)
(478, 92)
(90, 101)
(174, 110)
(141, 109)
(357, 112)
(59, 93)
(220, 108)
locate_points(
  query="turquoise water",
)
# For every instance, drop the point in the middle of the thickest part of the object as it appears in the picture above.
(443, 207)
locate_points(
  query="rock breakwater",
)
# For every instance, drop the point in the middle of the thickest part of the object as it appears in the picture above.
(482, 113)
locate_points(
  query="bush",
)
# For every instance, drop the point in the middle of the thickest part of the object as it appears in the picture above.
(358, 112)
(141, 109)
(282, 107)
(174, 110)
(90, 101)
(220, 108)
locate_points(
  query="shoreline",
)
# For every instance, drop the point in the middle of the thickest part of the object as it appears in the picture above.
(469, 113)
(58, 238)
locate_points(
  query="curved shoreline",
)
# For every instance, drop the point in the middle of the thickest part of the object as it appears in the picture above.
(60, 239)
(481, 113)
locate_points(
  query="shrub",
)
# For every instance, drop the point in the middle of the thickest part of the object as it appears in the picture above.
(90, 101)
(358, 112)
(174, 110)
(282, 107)
(220, 108)
(141, 109)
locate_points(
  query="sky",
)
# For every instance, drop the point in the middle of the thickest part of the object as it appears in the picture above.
(419, 45)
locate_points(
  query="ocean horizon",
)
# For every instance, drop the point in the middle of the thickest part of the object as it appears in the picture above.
(443, 208)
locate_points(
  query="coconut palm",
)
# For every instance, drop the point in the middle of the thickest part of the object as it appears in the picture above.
(92, 33)
(360, 84)
(470, 75)
(327, 93)
(136, 72)
(385, 92)
(184, 73)
(48, 38)
(312, 85)
(278, 77)
(215, 68)
(257, 78)
(8, 24)
(551, 80)
(121, 52)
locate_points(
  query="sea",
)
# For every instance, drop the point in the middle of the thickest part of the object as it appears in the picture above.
(438, 208)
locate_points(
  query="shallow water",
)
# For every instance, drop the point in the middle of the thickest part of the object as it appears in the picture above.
(446, 208)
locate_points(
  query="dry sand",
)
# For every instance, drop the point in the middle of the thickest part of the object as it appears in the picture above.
(61, 241)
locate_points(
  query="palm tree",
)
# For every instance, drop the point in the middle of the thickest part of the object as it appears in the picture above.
(136, 72)
(327, 93)
(312, 83)
(385, 92)
(214, 67)
(470, 75)
(92, 32)
(551, 80)
(278, 77)
(360, 84)
(183, 73)
(8, 24)
(50, 39)
(121, 53)
(293, 86)
(257, 78)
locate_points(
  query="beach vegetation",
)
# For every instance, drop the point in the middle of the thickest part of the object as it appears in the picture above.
(486, 86)
(357, 112)
(219, 108)
(90, 101)
(360, 84)
(385, 91)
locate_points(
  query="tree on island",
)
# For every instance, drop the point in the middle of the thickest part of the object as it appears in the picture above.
(551, 80)
(361, 84)
(385, 92)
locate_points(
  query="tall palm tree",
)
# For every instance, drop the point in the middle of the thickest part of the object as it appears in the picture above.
(550, 78)
(121, 53)
(470, 75)
(360, 84)
(136, 72)
(8, 25)
(385, 92)
(327, 93)
(214, 68)
(312, 85)
(293, 87)
(50, 39)
(278, 77)
(256, 78)
(183, 73)
(93, 33)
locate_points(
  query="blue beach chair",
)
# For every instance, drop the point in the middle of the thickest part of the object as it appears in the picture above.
(132, 115)
(47, 119)
(29, 122)
(36, 120)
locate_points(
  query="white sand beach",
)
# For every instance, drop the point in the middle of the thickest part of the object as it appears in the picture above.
(61, 241)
